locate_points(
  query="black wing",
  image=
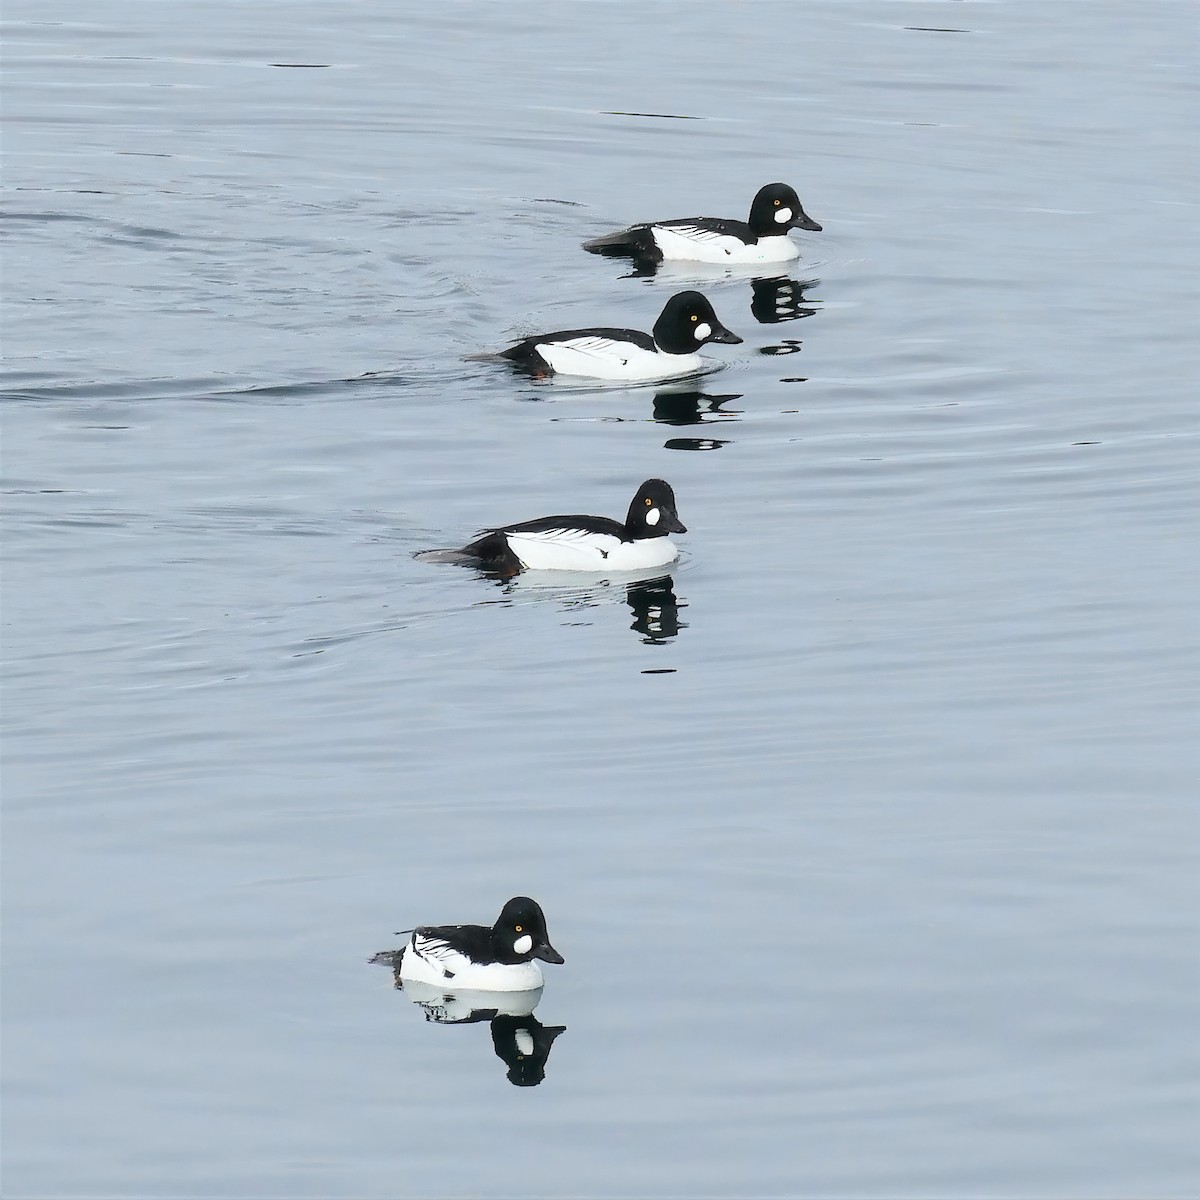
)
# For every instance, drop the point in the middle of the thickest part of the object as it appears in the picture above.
(492, 552)
(475, 941)
(638, 240)
(571, 521)
(526, 351)
(698, 227)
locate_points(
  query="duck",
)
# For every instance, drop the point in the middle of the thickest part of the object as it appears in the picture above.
(579, 543)
(686, 323)
(762, 239)
(499, 958)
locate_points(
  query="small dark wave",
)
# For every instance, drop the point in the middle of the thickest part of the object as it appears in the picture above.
(120, 389)
(657, 116)
(217, 389)
(45, 218)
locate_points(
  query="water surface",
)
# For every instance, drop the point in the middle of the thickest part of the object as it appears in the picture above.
(869, 835)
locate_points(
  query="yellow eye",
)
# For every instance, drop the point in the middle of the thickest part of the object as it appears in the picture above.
(517, 928)
(695, 317)
(648, 501)
(776, 203)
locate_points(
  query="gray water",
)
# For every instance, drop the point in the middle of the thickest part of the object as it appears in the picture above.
(869, 837)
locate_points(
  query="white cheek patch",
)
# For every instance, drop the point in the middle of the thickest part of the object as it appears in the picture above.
(783, 215)
(524, 1040)
(703, 330)
(652, 516)
(523, 944)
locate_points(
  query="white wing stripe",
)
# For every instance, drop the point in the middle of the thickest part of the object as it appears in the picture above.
(560, 535)
(435, 952)
(601, 347)
(694, 233)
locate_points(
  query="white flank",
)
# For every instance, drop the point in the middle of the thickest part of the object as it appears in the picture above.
(429, 960)
(783, 216)
(685, 242)
(578, 550)
(524, 1041)
(602, 358)
(523, 944)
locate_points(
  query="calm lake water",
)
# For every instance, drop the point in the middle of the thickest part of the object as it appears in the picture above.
(869, 837)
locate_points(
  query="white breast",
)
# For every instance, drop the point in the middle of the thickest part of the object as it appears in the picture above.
(428, 960)
(603, 358)
(703, 245)
(578, 550)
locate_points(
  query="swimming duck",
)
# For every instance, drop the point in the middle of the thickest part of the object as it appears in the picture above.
(761, 239)
(479, 958)
(580, 543)
(686, 323)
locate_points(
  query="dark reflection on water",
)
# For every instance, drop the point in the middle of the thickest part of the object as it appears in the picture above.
(780, 299)
(651, 600)
(690, 406)
(787, 346)
(695, 443)
(519, 1039)
(773, 298)
(655, 609)
(524, 1043)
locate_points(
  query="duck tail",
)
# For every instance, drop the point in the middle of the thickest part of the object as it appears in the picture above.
(461, 557)
(635, 242)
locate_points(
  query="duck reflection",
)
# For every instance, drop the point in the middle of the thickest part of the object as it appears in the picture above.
(650, 596)
(655, 610)
(773, 298)
(690, 406)
(519, 1039)
(780, 299)
(524, 1043)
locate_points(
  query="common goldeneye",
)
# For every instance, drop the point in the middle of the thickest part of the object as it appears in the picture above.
(762, 239)
(579, 543)
(686, 323)
(475, 957)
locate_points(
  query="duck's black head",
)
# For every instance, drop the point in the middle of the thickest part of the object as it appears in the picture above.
(688, 322)
(652, 512)
(520, 933)
(776, 209)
